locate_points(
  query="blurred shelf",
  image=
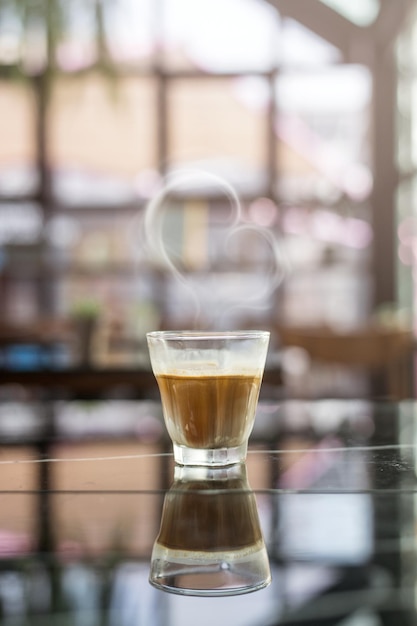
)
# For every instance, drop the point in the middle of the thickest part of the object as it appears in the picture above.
(85, 380)
(98, 380)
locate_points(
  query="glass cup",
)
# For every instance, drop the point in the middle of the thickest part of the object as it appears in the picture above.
(210, 541)
(209, 384)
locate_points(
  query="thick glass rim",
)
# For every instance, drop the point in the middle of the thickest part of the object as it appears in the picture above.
(207, 335)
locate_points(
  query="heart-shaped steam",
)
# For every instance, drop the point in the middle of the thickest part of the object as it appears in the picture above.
(248, 263)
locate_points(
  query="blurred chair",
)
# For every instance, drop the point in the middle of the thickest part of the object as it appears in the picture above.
(384, 353)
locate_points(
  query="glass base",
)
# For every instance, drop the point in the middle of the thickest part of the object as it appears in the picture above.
(210, 457)
(210, 574)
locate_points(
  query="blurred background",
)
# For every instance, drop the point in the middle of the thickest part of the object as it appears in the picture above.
(303, 110)
(306, 109)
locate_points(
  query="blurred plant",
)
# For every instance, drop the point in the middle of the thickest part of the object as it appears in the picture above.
(87, 308)
(40, 27)
(85, 314)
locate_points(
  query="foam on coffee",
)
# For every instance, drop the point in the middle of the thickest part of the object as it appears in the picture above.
(213, 364)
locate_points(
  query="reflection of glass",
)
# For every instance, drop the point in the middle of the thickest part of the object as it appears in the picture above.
(210, 541)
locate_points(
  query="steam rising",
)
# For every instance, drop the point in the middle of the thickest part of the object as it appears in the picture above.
(222, 288)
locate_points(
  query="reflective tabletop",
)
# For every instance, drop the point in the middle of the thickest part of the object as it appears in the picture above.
(89, 488)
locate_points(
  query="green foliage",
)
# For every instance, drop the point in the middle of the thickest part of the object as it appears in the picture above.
(49, 21)
(87, 308)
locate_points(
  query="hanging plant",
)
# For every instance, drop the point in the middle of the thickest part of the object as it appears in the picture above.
(33, 34)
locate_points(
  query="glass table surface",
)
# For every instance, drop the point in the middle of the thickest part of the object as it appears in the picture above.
(84, 488)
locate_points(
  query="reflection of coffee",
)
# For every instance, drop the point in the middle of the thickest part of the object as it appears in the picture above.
(209, 411)
(210, 540)
(195, 518)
